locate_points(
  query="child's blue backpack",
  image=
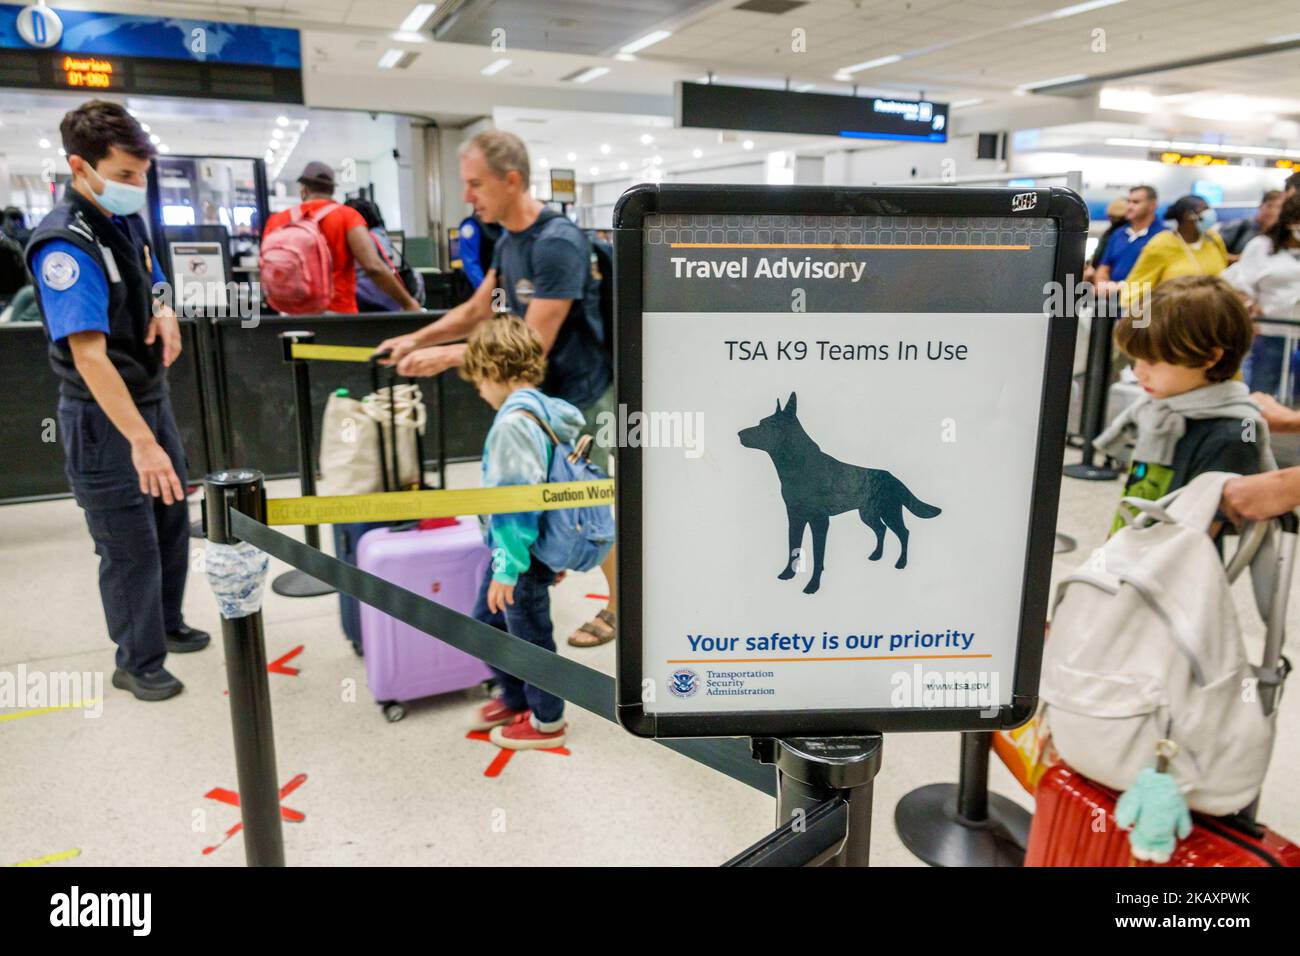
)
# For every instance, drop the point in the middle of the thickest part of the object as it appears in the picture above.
(573, 539)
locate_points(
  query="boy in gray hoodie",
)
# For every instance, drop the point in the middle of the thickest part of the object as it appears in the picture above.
(1187, 346)
(505, 361)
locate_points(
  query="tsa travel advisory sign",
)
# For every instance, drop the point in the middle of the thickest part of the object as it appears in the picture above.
(849, 529)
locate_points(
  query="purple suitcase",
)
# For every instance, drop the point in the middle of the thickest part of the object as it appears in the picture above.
(443, 564)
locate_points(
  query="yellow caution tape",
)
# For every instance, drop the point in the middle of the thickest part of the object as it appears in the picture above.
(331, 353)
(50, 858)
(79, 705)
(409, 505)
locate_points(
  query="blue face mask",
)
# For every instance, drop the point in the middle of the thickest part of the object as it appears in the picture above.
(1208, 219)
(119, 198)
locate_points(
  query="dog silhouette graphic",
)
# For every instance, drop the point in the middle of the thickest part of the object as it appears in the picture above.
(816, 487)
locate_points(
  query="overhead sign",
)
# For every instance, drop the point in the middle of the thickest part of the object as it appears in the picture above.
(714, 106)
(92, 50)
(564, 186)
(838, 481)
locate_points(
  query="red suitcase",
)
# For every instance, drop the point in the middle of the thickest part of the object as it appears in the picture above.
(1074, 825)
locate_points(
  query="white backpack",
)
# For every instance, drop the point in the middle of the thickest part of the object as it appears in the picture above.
(1145, 645)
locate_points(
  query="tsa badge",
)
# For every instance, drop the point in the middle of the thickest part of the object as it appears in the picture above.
(59, 271)
(683, 682)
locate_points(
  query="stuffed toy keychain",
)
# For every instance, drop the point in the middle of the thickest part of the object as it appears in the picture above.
(1155, 809)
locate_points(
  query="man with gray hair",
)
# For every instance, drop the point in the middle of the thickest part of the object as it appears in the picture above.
(541, 271)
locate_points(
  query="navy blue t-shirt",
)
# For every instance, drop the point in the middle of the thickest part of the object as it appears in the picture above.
(551, 259)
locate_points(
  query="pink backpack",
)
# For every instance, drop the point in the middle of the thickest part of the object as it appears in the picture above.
(296, 265)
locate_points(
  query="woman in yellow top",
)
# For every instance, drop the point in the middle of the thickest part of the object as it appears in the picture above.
(1188, 249)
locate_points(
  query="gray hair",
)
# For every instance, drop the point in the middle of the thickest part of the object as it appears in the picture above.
(503, 152)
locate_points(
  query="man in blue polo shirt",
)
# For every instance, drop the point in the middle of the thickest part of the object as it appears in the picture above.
(1126, 244)
(110, 345)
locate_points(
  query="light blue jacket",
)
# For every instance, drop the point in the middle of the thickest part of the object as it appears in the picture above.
(518, 452)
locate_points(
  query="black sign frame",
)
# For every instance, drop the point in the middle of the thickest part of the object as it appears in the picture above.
(1070, 214)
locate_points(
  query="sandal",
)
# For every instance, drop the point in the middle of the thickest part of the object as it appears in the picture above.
(599, 630)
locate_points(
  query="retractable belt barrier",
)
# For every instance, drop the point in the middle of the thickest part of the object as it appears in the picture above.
(331, 353)
(581, 685)
(409, 505)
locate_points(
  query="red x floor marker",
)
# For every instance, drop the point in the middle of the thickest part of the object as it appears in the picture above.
(223, 795)
(503, 755)
(599, 597)
(278, 666)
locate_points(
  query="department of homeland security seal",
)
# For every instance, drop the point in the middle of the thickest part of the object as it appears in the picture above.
(683, 682)
(59, 271)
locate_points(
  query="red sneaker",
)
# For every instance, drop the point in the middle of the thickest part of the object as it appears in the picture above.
(494, 714)
(520, 734)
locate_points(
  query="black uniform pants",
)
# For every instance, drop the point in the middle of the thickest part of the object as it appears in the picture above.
(143, 544)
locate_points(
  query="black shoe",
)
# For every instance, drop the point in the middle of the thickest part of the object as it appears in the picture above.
(187, 639)
(155, 685)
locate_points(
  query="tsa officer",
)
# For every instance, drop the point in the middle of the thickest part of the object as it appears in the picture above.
(110, 345)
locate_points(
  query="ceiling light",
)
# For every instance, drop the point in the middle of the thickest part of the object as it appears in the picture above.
(43, 143)
(399, 59)
(604, 148)
(155, 139)
(646, 139)
(697, 152)
(748, 144)
(843, 77)
(657, 160)
(401, 37)
(589, 74)
(571, 156)
(650, 39)
(625, 57)
(162, 148)
(871, 64)
(805, 87)
(1054, 81)
(418, 17)
(1081, 8)
(496, 66)
(622, 165)
(282, 121)
(274, 144)
(543, 163)
(133, 112)
(64, 152)
(145, 127)
(1286, 38)
(595, 170)
(1127, 101)
(277, 134)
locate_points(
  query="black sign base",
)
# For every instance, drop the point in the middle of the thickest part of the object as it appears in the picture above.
(299, 584)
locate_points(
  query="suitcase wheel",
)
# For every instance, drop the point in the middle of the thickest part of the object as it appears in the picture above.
(393, 711)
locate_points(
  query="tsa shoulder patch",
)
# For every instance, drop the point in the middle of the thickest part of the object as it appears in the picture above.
(59, 271)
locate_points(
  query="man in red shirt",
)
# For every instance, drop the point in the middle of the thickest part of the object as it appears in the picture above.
(349, 240)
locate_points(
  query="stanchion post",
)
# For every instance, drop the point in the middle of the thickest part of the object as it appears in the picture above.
(250, 695)
(297, 583)
(810, 770)
(1096, 385)
(962, 824)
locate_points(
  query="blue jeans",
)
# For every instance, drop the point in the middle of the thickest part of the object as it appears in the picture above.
(1263, 366)
(528, 618)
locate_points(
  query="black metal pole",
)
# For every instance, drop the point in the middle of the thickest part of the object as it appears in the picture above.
(973, 784)
(296, 583)
(1096, 385)
(814, 770)
(250, 694)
